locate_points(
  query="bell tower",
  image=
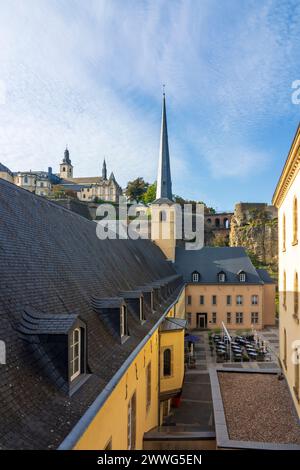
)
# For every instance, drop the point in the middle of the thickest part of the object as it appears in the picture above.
(163, 209)
(66, 167)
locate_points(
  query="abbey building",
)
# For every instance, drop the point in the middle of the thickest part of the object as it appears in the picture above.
(44, 183)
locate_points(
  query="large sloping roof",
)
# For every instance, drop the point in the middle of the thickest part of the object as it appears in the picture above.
(4, 169)
(51, 262)
(209, 261)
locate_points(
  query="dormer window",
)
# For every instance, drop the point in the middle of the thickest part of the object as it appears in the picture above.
(123, 322)
(242, 276)
(221, 276)
(195, 276)
(62, 340)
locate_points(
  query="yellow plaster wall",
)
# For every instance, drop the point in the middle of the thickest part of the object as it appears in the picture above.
(111, 421)
(174, 340)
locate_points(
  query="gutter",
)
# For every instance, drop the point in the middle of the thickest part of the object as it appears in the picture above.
(78, 430)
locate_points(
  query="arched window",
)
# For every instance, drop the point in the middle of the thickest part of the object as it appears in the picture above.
(284, 290)
(208, 221)
(295, 221)
(162, 216)
(242, 276)
(75, 354)
(64, 169)
(296, 295)
(217, 222)
(167, 362)
(283, 232)
(221, 276)
(226, 223)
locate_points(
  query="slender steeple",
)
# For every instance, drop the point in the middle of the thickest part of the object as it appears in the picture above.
(164, 183)
(104, 170)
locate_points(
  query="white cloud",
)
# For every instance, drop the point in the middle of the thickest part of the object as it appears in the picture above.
(89, 74)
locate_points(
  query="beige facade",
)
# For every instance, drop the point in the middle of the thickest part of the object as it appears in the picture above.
(6, 176)
(163, 218)
(37, 183)
(238, 306)
(66, 171)
(106, 190)
(287, 199)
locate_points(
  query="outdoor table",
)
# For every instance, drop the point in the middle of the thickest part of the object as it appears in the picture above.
(252, 354)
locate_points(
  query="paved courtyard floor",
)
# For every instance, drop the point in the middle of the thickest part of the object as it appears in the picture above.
(196, 408)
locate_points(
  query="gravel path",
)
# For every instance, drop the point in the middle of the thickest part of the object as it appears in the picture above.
(258, 407)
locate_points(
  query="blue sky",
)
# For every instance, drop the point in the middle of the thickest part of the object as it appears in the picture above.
(89, 73)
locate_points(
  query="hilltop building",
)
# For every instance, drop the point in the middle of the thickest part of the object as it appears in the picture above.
(87, 189)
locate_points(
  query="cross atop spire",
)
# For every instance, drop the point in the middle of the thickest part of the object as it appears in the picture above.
(164, 183)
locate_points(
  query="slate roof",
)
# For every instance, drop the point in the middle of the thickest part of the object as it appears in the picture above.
(4, 169)
(173, 324)
(52, 263)
(265, 276)
(33, 323)
(209, 261)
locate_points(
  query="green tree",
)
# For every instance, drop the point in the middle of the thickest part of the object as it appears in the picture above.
(150, 195)
(219, 240)
(136, 189)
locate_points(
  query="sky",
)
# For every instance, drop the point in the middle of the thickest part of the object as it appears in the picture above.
(88, 74)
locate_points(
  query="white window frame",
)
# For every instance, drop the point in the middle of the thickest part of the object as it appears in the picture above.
(222, 277)
(239, 299)
(123, 313)
(195, 277)
(242, 277)
(255, 320)
(254, 299)
(239, 318)
(75, 372)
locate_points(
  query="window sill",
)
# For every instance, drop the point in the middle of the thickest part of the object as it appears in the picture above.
(124, 339)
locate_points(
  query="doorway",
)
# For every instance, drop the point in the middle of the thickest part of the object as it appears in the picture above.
(201, 321)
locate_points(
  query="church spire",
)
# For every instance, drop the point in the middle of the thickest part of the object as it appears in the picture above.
(104, 170)
(164, 183)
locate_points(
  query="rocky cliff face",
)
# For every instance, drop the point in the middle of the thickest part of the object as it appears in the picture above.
(255, 227)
